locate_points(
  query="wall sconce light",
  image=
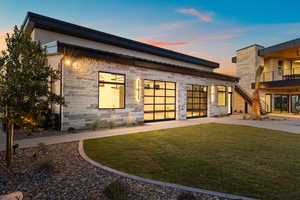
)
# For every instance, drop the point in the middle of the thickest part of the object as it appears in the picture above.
(212, 94)
(68, 62)
(138, 90)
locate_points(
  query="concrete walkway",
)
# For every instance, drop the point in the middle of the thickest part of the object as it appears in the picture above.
(290, 125)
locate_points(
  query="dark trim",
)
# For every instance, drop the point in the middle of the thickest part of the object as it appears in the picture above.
(279, 47)
(281, 83)
(115, 84)
(77, 51)
(34, 20)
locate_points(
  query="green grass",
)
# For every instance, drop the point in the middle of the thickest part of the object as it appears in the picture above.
(235, 159)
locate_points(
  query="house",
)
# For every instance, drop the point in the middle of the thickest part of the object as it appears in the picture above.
(280, 80)
(116, 80)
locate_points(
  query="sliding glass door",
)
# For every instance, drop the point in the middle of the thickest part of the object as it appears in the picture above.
(295, 103)
(159, 100)
(281, 103)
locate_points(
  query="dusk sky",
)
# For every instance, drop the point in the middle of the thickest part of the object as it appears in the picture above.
(203, 28)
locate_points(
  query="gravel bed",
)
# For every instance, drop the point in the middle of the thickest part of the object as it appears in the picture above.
(72, 177)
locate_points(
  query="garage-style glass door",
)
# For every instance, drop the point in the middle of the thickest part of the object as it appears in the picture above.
(196, 101)
(159, 100)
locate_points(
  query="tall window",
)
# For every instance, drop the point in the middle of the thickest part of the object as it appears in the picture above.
(111, 90)
(221, 95)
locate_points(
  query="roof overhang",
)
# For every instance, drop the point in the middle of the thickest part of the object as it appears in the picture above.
(58, 47)
(289, 49)
(34, 20)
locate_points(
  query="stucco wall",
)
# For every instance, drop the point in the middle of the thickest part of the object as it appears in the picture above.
(80, 89)
(45, 36)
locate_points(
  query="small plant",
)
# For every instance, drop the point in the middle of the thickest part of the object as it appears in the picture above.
(71, 130)
(96, 125)
(186, 196)
(44, 165)
(42, 147)
(129, 121)
(111, 123)
(117, 190)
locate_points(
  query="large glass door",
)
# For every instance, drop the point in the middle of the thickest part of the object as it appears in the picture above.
(268, 103)
(159, 100)
(196, 101)
(281, 103)
(295, 103)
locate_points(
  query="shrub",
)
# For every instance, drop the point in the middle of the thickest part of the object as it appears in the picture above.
(117, 190)
(186, 196)
(42, 147)
(96, 125)
(111, 123)
(44, 165)
(129, 121)
(71, 130)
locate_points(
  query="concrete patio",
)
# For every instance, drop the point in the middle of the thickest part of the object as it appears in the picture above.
(291, 125)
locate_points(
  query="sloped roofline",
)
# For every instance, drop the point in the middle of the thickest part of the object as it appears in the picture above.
(33, 20)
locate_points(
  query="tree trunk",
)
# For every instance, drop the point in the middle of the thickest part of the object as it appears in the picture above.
(256, 103)
(9, 141)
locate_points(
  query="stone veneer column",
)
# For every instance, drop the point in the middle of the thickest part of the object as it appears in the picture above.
(180, 101)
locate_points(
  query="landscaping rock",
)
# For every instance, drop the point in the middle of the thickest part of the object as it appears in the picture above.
(73, 178)
(12, 196)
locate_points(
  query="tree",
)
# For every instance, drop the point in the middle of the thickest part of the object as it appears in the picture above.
(25, 84)
(255, 97)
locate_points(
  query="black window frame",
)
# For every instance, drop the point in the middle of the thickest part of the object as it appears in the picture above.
(112, 83)
(165, 103)
(200, 98)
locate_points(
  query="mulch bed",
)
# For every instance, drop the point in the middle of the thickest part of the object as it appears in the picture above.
(71, 178)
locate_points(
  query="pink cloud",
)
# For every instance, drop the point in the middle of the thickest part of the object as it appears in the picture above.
(162, 44)
(205, 17)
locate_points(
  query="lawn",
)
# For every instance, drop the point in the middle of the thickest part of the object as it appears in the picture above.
(235, 159)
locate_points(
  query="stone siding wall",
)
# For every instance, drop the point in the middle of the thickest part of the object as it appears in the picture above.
(80, 89)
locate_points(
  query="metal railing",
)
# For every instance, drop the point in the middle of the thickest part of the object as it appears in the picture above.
(281, 74)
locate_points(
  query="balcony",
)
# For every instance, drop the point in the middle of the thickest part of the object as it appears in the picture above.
(281, 74)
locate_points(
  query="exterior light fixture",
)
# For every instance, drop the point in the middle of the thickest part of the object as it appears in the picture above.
(67, 62)
(212, 94)
(138, 90)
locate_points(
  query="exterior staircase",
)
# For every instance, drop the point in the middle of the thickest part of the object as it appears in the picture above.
(243, 94)
(248, 98)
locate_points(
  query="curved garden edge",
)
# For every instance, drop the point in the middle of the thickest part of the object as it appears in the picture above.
(159, 183)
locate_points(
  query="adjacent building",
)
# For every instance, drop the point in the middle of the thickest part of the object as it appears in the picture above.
(280, 81)
(116, 80)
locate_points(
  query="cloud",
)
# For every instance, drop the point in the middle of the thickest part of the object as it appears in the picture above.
(162, 44)
(168, 27)
(205, 17)
(206, 38)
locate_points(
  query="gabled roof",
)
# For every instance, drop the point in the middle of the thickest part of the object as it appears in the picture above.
(33, 20)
